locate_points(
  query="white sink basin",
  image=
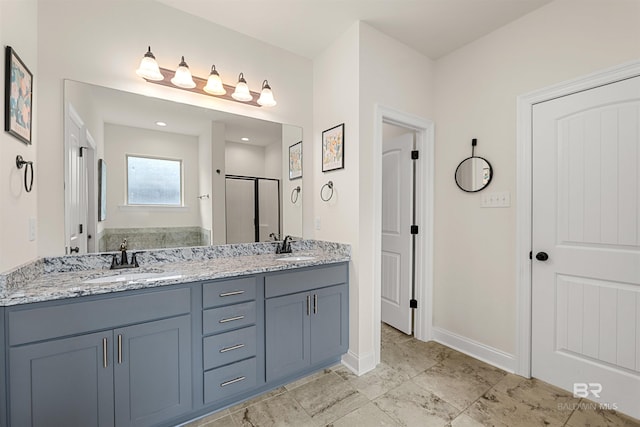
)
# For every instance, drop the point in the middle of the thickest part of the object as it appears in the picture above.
(295, 258)
(135, 277)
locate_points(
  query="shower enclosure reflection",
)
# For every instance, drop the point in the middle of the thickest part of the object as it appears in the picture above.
(244, 180)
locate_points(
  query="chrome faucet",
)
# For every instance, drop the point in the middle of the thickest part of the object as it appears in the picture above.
(124, 260)
(285, 247)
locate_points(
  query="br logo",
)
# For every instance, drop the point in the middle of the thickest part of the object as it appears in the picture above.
(587, 389)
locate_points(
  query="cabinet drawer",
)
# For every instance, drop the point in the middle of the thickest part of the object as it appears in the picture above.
(229, 380)
(229, 347)
(304, 280)
(231, 317)
(228, 292)
(41, 323)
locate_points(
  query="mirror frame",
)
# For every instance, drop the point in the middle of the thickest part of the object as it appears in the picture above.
(455, 175)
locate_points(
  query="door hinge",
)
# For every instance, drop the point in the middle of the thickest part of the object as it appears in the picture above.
(530, 254)
(81, 228)
(414, 229)
(413, 303)
(81, 150)
(415, 154)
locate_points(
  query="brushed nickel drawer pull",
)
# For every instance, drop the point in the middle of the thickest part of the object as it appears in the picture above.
(119, 348)
(233, 347)
(230, 294)
(308, 305)
(105, 362)
(233, 381)
(315, 304)
(231, 319)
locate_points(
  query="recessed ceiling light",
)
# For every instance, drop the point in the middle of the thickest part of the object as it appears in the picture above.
(161, 124)
(244, 138)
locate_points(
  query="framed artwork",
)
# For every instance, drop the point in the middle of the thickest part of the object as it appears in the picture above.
(102, 190)
(333, 148)
(295, 161)
(18, 88)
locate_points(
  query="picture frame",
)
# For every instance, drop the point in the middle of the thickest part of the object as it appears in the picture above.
(102, 190)
(295, 161)
(333, 148)
(18, 97)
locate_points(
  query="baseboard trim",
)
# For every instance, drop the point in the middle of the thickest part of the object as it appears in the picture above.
(359, 365)
(477, 350)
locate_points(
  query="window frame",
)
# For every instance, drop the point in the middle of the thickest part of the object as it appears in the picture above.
(152, 205)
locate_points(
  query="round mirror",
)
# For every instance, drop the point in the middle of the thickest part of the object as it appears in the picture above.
(473, 174)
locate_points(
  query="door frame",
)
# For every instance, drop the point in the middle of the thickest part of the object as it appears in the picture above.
(524, 194)
(425, 142)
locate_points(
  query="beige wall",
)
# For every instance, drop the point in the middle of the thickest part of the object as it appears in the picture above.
(18, 29)
(78, 40)
(475, 96)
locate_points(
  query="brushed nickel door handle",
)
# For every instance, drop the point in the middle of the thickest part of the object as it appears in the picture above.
(105, 361)
(119, 348)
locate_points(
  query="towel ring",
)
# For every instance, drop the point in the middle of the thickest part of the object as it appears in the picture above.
(295, 191)
(20, 162)
(330, 185)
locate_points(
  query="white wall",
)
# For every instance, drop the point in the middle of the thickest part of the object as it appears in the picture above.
(18, 29)
(244, 159)
(292, 213)
(205, 179)
(102, 43)
(123, 140)
(476, 89)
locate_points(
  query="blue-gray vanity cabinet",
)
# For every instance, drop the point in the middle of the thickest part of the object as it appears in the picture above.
(74, 364)
(3, 378)
(309, 328)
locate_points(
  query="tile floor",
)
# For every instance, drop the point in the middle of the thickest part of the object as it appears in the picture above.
(417, 384)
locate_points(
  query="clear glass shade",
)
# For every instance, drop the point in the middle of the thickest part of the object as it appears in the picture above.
(183, 77)
(149, 69)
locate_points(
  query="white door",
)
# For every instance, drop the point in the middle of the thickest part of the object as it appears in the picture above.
(397, 215)
(75, 184)
(586, 218)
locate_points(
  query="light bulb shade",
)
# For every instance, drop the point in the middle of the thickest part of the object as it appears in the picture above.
(148, 68)
(182, 77)
(242, 90)
(214, 83)
(266, 96)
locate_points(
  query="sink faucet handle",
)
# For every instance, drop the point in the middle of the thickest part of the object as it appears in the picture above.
(123, 245)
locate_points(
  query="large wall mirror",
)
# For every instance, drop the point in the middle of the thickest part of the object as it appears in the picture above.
(172, 175)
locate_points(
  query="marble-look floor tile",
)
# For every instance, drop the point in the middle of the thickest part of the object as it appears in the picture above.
(463, 420)
(257, 399)
(328, 398)
(589, 414)
(455, 386)
(304, 380)
(374, 383)
(367, 416)
(281, 410)
(226, 421)
(389, 334)
(518, 401)
(205, 421)
(468, 365)
(404, 358)
(411, 405)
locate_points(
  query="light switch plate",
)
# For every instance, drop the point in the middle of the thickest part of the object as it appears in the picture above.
(500, 199)
(317, 223)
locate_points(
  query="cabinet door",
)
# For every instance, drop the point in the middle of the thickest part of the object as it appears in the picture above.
(287, 335)
(329, 323)
(62, 383)
(152, 371)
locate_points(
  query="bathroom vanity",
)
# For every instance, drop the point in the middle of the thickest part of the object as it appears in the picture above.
(165, 346)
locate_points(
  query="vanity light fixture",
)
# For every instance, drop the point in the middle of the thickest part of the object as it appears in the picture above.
(148, 68)
(266, 96)
(182, 77)
(242, 90)
(214, 83)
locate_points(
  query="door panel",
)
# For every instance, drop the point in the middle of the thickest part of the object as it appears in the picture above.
(586, 206)
(328, 323)
(75, 182)
(397, 216)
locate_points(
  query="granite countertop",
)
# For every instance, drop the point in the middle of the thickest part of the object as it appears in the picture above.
(65, 277)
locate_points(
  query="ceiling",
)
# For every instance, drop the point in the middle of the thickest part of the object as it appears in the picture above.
(307, 27)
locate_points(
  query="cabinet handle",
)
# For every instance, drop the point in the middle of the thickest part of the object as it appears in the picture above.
(233, 347)
(233, 381)
(119, 348)
(105, 362)
(315, 304)
(229, 294)
(308, 305)
(231, 319)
